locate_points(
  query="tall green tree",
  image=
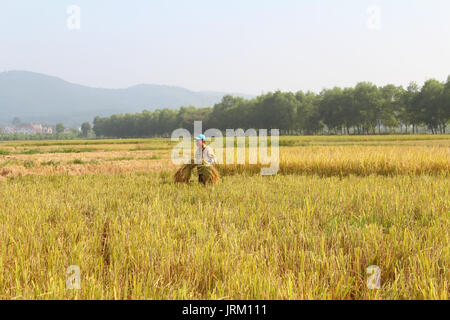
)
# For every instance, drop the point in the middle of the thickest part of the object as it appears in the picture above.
(59, 128)
(308, 115)
(410, 113)
(331, 108)
(369, 101)
(85, 129)
(430, 104)
(278, 111)
(391, 103)
(445, 112)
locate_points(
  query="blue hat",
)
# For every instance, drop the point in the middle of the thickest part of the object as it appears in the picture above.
(200, 137)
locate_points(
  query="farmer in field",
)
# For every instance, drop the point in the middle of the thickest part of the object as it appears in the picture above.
(204, 154)
(203, 162)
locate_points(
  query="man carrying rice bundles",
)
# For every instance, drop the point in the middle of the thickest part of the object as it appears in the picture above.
(203, 161)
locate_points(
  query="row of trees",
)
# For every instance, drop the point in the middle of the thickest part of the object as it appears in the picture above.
(364, 109)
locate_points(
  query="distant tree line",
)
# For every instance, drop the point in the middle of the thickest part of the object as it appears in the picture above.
(364, 109)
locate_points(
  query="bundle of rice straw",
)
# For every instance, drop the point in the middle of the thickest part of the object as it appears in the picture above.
(209, 173)
(183, 175)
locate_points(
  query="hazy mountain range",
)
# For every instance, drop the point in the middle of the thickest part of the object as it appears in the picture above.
(42, 98)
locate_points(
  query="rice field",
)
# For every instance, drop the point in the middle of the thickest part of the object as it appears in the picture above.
(337, 206)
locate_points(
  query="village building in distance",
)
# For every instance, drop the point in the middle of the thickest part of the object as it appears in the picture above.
(33, 128)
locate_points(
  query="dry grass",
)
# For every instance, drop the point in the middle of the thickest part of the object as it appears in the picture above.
(113, 167)
(312, 160)
(277, 238)
(356, 160)
(309, 233)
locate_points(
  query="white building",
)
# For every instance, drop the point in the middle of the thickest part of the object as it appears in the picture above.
(48, 130)
(37, 127)
(25, 129)
(28, 129)
(8, 130)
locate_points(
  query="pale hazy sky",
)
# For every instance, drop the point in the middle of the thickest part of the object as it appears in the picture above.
(245, 46)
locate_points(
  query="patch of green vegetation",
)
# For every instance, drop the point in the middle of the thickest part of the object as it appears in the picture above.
(71, 150)
(50, 163)
(90, 142)
(29, 164)
(149, 148)
(292, 143)
(9, 162)
(77, 161)
(121, 159)
(154, 157)
(128, 158)
(4, 152)
(30, 151)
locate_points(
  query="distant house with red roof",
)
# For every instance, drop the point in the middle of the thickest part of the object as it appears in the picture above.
(25, 129)
(28, 129)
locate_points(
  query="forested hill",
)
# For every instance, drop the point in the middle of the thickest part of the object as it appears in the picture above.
(41, 98)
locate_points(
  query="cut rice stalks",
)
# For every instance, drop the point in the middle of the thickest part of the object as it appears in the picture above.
(209, 173)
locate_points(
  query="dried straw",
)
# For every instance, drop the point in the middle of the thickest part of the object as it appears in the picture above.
(183, 175)
(209, 173)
